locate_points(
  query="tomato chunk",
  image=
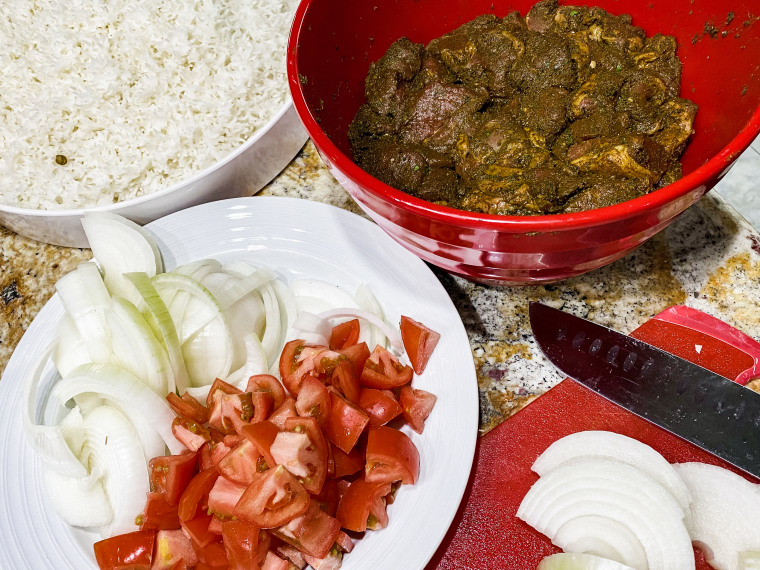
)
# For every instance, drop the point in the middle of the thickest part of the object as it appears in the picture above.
(314, 532)
(313, 400)
(391, 457)
(345, 423)
(188, 407)
(224, 495)
(380, 405)
(346, 380)
(274, 498)
(297, 361)
(286, 410)
(362, 506)
(196, 493)
(172, 548)
(267, 383)
(190, 433)
(316, 461)
(170, 474)
(345, 334)
(419, 342)
(357, 354)
(240, 463)
(241, 540)
(417, 405)
(383, 371)
(158, 513)
(131, 550)
(262, 435)
(345, 464)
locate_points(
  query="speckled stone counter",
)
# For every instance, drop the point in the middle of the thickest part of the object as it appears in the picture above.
(708, 259)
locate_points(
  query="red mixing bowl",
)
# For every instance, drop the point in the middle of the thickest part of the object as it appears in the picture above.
(333, 42)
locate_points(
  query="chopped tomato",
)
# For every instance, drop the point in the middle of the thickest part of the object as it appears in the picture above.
(274, 562)
(158, 513)
(346, 463)
(328, 498)
(344, 542)
(240, 463)
(332, 561)
(198, 529)
(417, 406)
(224, 495)
(345, 334)
(188, 407)
(241, 540)
(190, 433)
(316, 462)
(132, 550)
(212, 555)
(286, 410)
(346, 380)
(267, 383)
(383, 371)
(380, 405)
(357, 354)
(213, 452)
(221, 386)
(419, 342)
(313, 400)
(298, 360)
(274, 498)
(230, 412)
(362, 506)
(391, 457)
(196, 493)
(262, 435)
(313, 533)
(170, 474)
(345, 423)
(173, 547)
(262, 403)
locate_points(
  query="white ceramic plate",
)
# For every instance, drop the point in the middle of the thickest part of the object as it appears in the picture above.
(296, 238)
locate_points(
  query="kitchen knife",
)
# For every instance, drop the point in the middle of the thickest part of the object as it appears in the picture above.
(704, 408)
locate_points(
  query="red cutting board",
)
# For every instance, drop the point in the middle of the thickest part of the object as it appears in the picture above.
(486, 534)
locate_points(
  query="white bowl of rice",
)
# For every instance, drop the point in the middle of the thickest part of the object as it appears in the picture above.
(140, 108)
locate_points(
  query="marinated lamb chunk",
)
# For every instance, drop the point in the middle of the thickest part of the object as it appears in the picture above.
(567, 109)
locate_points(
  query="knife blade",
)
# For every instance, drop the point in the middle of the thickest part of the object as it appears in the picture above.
(704, 408)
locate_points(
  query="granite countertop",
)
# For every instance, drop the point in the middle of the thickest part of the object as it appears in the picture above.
(708, 259)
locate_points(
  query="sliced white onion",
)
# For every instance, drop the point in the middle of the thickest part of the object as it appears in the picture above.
(204, 335)
(287, 303)
(317, 328)
(121, 246)
(157, 316)
(247, 316)
(609, 488)
(78, 505)
(70, 348)
(198, 269)
(112, 446)
(725, 512)
(370, 334)
(603, 537)
(616, 446)
(749, 560)
(578, 561)
(85, 298)
(49, 441)
(136, 348)
(127, 392)
(389, 332)
(328, 294)
(228, 288)
(274, 334)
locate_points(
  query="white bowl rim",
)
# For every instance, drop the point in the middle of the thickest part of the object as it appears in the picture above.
(56, 213)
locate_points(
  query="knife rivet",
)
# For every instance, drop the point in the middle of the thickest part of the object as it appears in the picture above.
(612, 355)
(596, 346)
(629, 361)
(578, 339)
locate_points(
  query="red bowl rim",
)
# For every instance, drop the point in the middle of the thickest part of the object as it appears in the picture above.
(713, 168)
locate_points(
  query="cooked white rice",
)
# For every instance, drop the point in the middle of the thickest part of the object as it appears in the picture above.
(131, 95)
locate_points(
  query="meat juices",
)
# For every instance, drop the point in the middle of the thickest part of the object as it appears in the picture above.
(565, 110)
